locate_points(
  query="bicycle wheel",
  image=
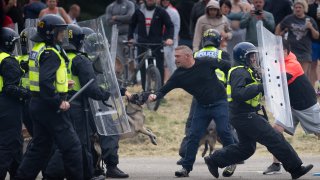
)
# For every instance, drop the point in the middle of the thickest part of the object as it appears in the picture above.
(153, 84)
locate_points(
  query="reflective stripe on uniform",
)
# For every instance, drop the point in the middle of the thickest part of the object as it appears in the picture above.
(3, 55)
(61, 81)
(254, 102)
(212, 52)
(77, 85)
(25, 78)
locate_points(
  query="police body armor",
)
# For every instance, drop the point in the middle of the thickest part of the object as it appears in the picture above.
(61, 82)
(212, 52)
(71, 76)
(25, 78)
(254, 102)
(3, 55)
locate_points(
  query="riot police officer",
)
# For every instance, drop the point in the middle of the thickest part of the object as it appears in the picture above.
(244, 93)
(12, 96)
(49, 86)
(80, 70)
(211, 40)
(109, 144)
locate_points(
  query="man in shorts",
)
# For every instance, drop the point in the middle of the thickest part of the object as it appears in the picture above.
(304, 106)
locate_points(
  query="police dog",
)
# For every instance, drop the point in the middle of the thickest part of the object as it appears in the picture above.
(209, 139)
(136, 120)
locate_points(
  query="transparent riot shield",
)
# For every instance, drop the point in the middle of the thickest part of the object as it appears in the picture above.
(114, 43)
(17, 47)
(274, 76)
(112, 33)
(110, 117)
(31, 29)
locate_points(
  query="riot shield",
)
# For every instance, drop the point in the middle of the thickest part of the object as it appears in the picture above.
(17, 48)
(110, 117)
(274, 75)
(114, 43)
(112, 34)
(31, 29)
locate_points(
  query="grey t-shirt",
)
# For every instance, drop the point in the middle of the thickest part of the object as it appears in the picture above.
(299, 36)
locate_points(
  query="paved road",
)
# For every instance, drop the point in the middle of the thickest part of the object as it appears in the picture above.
(163, 168)
(155, 168)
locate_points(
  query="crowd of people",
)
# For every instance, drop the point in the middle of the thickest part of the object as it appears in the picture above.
(211, 53)
(234, 19)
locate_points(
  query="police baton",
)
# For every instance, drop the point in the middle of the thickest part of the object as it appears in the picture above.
(79, 92)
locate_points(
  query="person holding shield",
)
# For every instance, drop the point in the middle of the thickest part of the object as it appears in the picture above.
(303, 100)
(244, 94)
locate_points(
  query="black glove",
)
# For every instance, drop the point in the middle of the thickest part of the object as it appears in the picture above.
(106, 96)
(123, 91)
(145, 96)
(17, 92)
(260, 88)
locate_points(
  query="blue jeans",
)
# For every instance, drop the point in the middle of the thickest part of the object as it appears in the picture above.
(219, 111)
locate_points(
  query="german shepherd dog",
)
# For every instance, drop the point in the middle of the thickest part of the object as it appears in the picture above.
(136, 120)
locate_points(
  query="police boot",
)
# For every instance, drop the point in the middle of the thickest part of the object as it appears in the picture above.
(101, 177)
(302, 170)
(115, 172)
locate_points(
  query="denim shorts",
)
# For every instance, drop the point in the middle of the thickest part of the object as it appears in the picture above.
(315, 51)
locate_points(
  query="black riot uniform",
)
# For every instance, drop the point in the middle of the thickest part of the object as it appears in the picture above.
(244, 93)
(80, 70)
(12, 97)
(49, 86)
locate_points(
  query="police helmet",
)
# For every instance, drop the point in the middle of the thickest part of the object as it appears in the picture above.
(8, 39)
(241, 53)
(93, 42)
(48, 28)
(211, 37)
(75, 37)
(87, 31)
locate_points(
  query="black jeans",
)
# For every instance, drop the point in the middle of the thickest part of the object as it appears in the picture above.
(252, 128)
(51, 127)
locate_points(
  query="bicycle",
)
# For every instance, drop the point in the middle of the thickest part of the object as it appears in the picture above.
(153, 77)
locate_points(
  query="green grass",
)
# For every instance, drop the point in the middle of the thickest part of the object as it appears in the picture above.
(168, 125)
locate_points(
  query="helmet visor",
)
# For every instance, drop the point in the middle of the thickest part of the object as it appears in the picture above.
(61, 35)
(253, 60)
(17, 46)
